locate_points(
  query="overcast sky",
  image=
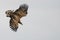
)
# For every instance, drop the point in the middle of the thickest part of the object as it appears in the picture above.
(41, 23)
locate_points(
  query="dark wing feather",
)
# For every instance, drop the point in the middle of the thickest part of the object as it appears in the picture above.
(13, 24)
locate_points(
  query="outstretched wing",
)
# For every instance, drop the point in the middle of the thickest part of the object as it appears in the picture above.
(22, 10)
(13, 24)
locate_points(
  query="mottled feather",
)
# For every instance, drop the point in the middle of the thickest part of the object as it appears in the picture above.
(16, 15)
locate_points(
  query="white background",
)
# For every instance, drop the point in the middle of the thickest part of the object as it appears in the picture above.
(41, 23)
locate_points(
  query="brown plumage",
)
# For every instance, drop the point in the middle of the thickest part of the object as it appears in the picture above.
(15, 16)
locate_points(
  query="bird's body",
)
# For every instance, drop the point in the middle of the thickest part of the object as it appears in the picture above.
(15, 16)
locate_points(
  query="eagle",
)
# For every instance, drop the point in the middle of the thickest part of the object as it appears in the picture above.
(16, 15)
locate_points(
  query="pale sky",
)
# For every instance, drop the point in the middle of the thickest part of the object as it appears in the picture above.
(41, 23)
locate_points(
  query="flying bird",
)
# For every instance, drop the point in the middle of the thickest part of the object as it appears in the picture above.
(16, 15)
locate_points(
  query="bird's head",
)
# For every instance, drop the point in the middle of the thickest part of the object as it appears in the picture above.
(9, 12)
